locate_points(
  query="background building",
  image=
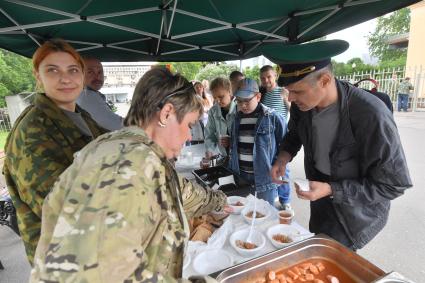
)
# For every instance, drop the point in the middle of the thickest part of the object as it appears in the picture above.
(121, 79)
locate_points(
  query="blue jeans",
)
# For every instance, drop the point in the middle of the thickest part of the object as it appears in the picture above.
(284, 190)
(403, 100)
(268, 195)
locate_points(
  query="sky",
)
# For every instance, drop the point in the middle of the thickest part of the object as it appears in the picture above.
(357, 38)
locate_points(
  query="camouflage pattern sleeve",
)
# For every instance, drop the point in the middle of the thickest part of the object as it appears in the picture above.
(34, 162)
(198, 201)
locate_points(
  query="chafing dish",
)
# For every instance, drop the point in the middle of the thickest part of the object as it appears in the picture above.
(317, 247)
(393, 277)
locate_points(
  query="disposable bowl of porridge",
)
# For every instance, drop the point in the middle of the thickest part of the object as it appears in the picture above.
(262, 213)
(236, 203)
(238, 241)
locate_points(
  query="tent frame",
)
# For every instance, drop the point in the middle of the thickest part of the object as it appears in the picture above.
(164, 33)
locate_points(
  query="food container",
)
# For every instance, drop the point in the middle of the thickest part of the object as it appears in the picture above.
(208, 177)
(282, 229)
(317, 247)
(257, 238)
(286, 216)
(236, 203)
(301, 184)
(262, 208)
(211, 260)
(393, 277)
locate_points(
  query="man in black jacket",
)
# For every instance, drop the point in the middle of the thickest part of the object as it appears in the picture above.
(353, 155)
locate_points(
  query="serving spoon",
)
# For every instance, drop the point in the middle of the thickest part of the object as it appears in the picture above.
(254, 215)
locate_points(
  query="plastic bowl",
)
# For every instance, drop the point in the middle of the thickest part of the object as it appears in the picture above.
(257, 238)
(211, 261)
(263, 209)
(234, 199)
(284, 229)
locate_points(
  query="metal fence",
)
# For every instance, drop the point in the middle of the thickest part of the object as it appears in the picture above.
(5, 125)
(388, 80)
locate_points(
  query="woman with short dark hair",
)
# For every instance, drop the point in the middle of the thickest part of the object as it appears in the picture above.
(119, 213)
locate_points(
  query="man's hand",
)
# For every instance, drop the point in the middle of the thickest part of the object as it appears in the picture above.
(317, 191)
(279, 167)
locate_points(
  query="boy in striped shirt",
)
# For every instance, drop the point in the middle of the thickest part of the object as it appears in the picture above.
(255, 137)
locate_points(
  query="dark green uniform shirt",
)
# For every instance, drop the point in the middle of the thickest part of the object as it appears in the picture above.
(39, 148)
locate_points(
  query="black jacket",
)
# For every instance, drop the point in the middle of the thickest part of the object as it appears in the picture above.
(368, 167)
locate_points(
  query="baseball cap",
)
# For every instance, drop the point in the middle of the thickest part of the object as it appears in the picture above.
(247, 88)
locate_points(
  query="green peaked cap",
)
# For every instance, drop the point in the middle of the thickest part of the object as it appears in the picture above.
(298, 60)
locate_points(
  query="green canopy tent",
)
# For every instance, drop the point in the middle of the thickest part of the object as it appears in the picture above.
(178, 30)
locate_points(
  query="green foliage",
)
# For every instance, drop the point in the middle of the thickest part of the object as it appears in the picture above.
(212, 71)
(252, 73)
(15, 75)
(3, 137)
(393, 24)
(187, 69)
(353, 65)
(395, 63)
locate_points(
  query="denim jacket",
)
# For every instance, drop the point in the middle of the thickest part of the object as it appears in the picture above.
(270, 130)
(217, 126)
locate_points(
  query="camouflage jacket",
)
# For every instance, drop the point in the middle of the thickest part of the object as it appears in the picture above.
(38, 149)
(119, 214)
(405, 87)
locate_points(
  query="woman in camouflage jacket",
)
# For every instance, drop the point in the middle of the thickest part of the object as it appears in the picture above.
(119, 212)
(46, 135)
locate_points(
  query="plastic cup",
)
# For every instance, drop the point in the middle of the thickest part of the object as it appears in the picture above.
(189, 157)
(286, 216)
(301, 184)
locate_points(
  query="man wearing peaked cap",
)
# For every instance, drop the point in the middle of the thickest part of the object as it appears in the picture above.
(353, 156)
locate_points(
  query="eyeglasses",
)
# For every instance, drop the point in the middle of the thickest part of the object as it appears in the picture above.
(244, 101)
(183, 89)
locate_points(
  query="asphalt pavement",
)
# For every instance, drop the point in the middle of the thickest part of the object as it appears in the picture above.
(399, 247)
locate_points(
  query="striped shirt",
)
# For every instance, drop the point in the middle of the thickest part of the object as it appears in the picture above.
(274, 100)
(246, 141)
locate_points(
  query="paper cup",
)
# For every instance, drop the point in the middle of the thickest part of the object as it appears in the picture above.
(301, 184)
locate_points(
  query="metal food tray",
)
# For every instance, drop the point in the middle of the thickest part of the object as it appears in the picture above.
(317, 247)
(393, 277)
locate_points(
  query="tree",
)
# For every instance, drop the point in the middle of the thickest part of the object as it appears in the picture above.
(252, 73)
(212, 71)
(388, 25)
(188, 69)
(15, 75)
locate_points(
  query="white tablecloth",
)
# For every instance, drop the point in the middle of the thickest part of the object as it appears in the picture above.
(220, 239)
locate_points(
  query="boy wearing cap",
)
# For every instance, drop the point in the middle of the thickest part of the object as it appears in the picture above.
(255, 136)
(353, 156)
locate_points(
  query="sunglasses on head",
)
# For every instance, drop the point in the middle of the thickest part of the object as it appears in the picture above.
(183, 89)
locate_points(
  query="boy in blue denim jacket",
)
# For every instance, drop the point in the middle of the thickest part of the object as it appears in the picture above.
(255, 137)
